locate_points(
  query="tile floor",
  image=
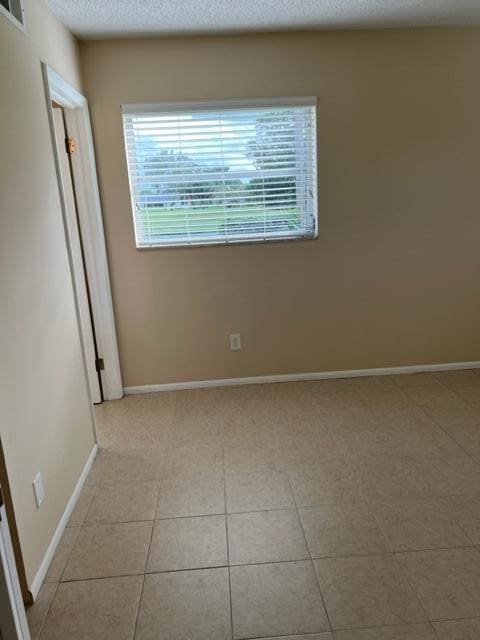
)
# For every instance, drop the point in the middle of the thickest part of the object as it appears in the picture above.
(339, 509)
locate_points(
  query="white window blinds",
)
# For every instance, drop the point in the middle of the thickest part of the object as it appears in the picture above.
(220, 173)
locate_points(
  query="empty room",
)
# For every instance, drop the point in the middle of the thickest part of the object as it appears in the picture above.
(240, 312)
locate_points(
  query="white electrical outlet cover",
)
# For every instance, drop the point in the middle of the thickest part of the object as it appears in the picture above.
(235, 342)
(38, 489)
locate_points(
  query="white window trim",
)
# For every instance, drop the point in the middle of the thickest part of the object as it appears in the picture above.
(14, 20)
(144, 108)
(209, 105)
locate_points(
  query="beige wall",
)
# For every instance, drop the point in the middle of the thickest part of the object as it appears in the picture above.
(393, 278)
(45, 417)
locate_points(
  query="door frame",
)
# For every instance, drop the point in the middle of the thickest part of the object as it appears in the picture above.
(64, 152)
(77, 121)
(12, 610)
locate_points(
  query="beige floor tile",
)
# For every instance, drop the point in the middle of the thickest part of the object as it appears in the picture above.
(414, 379)
(140, 465)
(137, 411)
(300, 450)
(468, 391)
(429, 394)
(392, 396)
(370, 462)
(253, 458)
(189, 425)
(95, 474)
(389, 478)
(359, 444)
(330, 386)
(236, 430)
(421, 442)
(452, 413)
(446, 581)
(467, 515)
(276, 599)
(185, 604)
(62, 554)
(94, 609)
(341, 406)
(326, 484)
(331, 399)
(265, 536)
(367, 591)
(188, 543)
(332, 412)
(126, 436)
(422, 631)
(405, 417)
(194, 457)
(304, 420)
(454, 476)
(106, 550)
(342, 530)
(456, 377)
(372, 383)
(258, 491)
(468, 437)
(124, 502)
(36, 613)
(81, 508)
(468, 629)
(315, 636)
(420, 524)
(191, 494)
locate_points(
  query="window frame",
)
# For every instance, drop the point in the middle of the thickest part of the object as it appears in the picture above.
(232, 104)
(13, 12)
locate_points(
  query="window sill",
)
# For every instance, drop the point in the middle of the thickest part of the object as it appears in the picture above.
(222, 243)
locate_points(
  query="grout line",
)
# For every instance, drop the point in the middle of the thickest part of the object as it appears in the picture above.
(226, 534)
(288, 636)
(69, 554)
(160, 482)
(42, 625)
(434, 631)
(289, 561)
(375, 627)
(470, 456)
(317, 581)
(404, 573)
(138, 608)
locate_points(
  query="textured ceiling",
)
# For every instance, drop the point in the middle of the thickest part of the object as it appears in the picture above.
(110, 18)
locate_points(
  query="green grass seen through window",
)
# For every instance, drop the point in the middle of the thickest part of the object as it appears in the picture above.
(166, 221)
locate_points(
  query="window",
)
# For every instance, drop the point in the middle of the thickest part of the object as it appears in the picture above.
(13, 10)
(221, 173)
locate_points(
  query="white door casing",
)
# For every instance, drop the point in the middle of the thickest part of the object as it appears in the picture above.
(90, 224)
(13, 620)
(77, 256)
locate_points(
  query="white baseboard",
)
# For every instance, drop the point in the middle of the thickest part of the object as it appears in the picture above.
(295, 377)
(42, 571)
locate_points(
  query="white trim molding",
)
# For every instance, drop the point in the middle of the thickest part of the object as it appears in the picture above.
(20, 24)
(13, 620)
(297, 377)
(77, 119)
(61, 91)
(210, 105)
(57, 536)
